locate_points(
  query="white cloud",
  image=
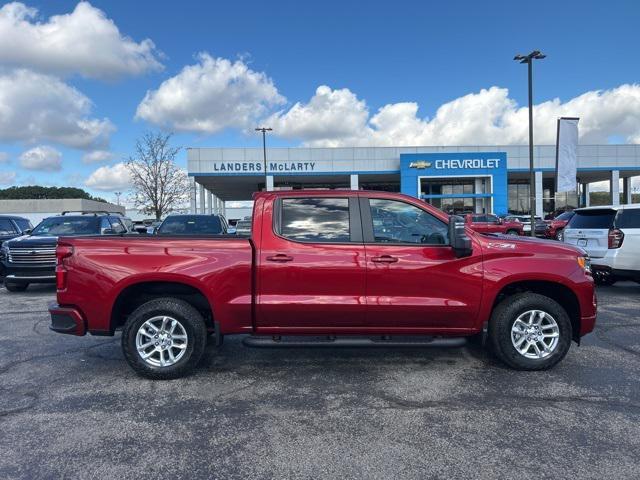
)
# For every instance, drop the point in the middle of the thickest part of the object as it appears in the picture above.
(42, 158)
(7, 178)
(84, 41)
(97, 156)
(36, 107)
(209, 96)
(488, 117)
(110, 178)
(4, 157)
(330, 116)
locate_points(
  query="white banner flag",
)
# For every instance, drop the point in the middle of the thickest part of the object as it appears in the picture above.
(567, 154)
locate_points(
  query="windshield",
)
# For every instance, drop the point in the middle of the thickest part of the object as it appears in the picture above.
(63, 226)
(23, 224)
(191, 225)
(593, 219)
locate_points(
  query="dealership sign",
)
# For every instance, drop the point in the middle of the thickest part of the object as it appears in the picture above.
(456, 164)
(258, 167)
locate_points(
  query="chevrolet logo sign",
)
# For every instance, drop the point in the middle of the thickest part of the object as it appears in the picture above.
(420, 164)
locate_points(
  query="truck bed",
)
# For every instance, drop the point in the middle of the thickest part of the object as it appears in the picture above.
(103, 267)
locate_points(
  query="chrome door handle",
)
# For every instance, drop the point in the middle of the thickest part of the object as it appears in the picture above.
(280, 257)
(384, 259)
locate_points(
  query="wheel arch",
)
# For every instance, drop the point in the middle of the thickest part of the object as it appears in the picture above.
(135, 294)
(554, 290)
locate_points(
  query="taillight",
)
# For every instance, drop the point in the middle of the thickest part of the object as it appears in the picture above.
(615, 238)
(62, 251)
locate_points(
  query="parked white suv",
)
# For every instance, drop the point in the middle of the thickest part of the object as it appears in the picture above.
(611, 237)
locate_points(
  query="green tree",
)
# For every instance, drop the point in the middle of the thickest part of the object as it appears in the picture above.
(38, 192)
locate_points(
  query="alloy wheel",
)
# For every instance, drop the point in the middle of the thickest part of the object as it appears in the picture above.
(535, 334)
(161, 341)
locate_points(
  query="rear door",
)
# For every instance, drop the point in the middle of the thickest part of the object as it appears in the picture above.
(414, 280)
(479, 223)
(628, 256)
(493, 224)
(311, 265)
(589, 229)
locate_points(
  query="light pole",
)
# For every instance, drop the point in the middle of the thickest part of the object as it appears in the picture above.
(118, 197)
(528, 59)
(264, 131)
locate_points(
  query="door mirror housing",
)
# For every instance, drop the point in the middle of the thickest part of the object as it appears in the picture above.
(27, 231)
(458, 238)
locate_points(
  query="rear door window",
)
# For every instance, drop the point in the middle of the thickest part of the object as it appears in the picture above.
(117, 226)
(628, 218)
(597, 218)
(318, 220)
(6, 227)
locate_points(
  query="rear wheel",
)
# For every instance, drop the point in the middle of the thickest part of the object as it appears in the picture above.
(529, 331)
(16, 287)
(164, 338)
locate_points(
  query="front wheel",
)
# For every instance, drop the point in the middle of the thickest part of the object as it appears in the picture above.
(512, 232)
(529, 331)
(164, 338)
(560, 235)
(16, 287)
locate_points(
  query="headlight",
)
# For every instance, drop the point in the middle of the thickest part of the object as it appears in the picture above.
(585, 264)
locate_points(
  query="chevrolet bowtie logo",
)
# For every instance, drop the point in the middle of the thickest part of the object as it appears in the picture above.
(420, 164)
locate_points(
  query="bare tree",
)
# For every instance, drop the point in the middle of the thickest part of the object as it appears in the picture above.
(159, 185)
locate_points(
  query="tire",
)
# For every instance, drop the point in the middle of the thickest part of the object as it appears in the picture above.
(560, 235)
(189, 324)
(16, 287)
(512, 232)
(509, 311)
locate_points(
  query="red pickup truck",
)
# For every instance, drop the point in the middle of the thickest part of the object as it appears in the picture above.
(326, 268)
(488, 223)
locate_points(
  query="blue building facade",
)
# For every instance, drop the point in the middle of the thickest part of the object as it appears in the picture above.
(461, 181)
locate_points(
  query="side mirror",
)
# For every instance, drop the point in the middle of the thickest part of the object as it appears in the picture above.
(500, 221)
(458, 238)
(27, 231)
(108, 231)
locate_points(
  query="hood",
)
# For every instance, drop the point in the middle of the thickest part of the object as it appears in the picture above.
(535, 245)
(26, 241)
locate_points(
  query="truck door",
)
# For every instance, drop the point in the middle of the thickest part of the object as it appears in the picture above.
(311, 265)
(414, 279)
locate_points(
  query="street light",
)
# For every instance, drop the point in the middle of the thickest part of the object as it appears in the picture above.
(118, 197)
(264, 131)
(528, 59)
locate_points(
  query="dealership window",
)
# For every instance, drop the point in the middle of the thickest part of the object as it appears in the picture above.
(315, 219)
(399, 222)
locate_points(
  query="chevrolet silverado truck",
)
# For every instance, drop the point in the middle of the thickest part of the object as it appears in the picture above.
(482, 223)
(326, 268)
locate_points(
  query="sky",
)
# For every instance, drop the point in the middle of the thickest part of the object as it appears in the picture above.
(79, 82)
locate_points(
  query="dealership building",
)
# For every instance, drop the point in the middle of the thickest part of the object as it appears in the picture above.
(482, 179)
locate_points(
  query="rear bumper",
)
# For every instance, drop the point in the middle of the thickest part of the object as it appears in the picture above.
(67, 320)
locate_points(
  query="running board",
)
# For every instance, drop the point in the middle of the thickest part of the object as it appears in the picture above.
(277, 341)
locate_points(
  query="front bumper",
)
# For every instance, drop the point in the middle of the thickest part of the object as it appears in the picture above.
(21, 274)
(67, 320)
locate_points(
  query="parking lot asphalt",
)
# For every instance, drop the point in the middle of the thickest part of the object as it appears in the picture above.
(70, 407)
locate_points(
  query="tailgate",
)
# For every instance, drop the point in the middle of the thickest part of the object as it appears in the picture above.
(594, 241)
(589, 229)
